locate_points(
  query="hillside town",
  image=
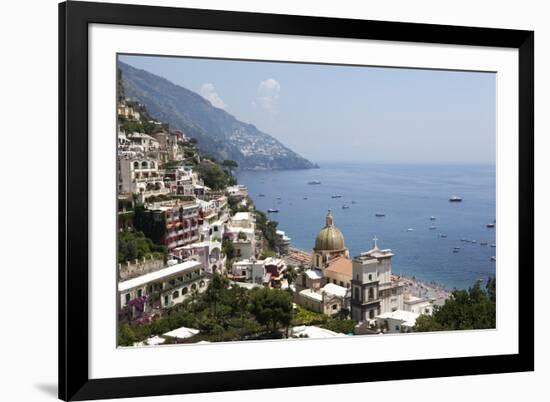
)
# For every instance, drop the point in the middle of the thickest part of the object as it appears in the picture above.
(197, 262)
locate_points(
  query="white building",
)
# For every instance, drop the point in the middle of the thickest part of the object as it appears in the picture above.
(396, 321)
(373, 291)
(161, 289)
(141, 176)
(208, 253)
(417, 305)
(242, 230)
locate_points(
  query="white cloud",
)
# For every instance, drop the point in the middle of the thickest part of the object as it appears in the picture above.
(209, 93)
(268, 95)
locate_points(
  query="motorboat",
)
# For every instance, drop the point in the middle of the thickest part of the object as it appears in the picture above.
(336, 196)
(433, 218)
(261, 195)
(455, 198)
(443, 235)
(345, 206)
(493, 258)
(410, 229)
(379, 214)
(490, 225)
(482, 243)
(314, 182)
(432, 228)
(272, 210)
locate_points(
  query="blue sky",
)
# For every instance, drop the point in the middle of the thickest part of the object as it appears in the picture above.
(348, 113)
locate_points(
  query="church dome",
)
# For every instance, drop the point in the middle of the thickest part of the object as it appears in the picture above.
(329, 238)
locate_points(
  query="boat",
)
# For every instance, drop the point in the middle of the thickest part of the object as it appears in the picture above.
(336, 196)
(490, 225)
(473, 241)
(493, 258)
(278, 198)
(433, 218)
(379, 214)
(443, 235)
(493, 245)
(455, 198)
(345, 206)
(432, 228)
(482, 243)
(314, 182)
(353, 202)
(305, 198)
(456, 249)
(410, 229)
(465, 240)
(272, 210)
(261, 195)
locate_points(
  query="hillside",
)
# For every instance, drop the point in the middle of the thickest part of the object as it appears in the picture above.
(219, 133)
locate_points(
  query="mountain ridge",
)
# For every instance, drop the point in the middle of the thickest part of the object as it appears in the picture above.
(219, 133)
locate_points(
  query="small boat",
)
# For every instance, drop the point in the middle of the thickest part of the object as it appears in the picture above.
(345, 206)
(379, 214)
(473, 241)
(314, 182)
(456, 249)
(336, 196)
(490, 225)
(493, 258)
(305, 198)
(433, 218)
(465, 240)
(410, 229)
(493, 245)
(432, 228)
(353, 202)
(261, 195)
(455, 198)
(278, 198)
(272, 210)
(443, 235)
(482, 243)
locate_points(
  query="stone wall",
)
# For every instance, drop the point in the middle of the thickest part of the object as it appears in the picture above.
(132, 269)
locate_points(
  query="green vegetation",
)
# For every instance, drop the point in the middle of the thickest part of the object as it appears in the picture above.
(136, 126)
(236, 206)
(132, 245)
(271, 307)
(341, 326)
(474, 308)
(214, 176)
(303, 316)
(221, 313)
(268, 229)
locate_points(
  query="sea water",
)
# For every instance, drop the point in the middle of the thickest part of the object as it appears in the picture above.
(408, 195)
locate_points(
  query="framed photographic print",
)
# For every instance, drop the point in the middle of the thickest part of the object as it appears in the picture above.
(259, 201)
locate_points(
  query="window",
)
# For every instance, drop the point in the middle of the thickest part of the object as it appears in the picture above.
(371, 293)
(144, 165)
(341, 283)
(356, 293)
(139, 293)
(334, 306)
(397, 327)
(370, 277)
(371, 314)
(357, 276)
(136, 165)
(193, 286)
(127, 297)
(184, 291)
(175, 295)
(165, 300)
(201, 284)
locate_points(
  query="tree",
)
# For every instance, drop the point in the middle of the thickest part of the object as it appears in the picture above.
(230, 165)
(228, 248)
(214, 293)
(474, 308)
(126, 336)
(271, 307)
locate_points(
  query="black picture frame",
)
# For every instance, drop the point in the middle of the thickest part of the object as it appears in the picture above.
(74, 18)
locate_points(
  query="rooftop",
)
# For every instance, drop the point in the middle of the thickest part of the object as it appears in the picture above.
(314, 274)
(340, 265)
(311, 294)
(157, 275)
(182, 333)
(408, 318)
(335, 290)
(314, 332)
